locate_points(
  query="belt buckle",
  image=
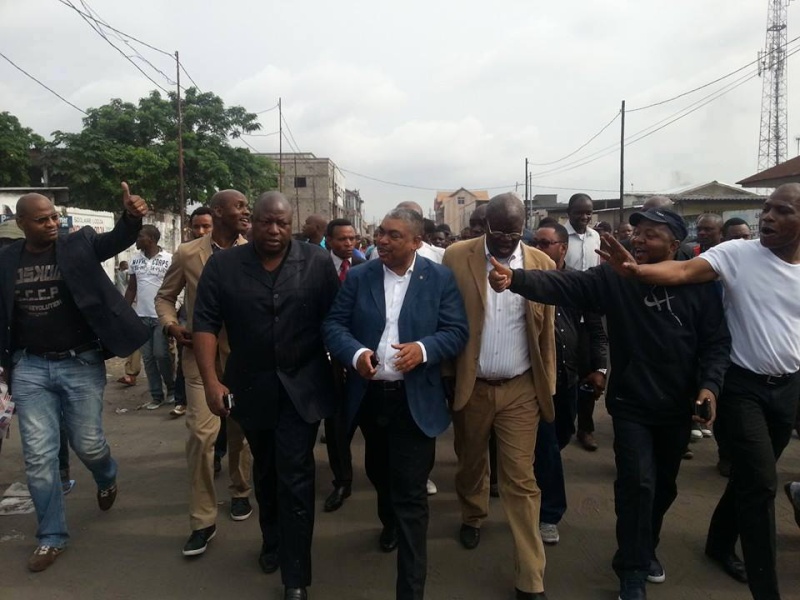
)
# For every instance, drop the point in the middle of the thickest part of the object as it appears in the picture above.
(774, 379)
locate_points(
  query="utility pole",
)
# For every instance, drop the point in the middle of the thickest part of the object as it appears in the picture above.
(622, 166)
(181, 184)
(280, 148)
(527, 200)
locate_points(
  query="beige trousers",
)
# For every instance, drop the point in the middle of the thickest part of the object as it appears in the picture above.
(203, 426)
(513, 411)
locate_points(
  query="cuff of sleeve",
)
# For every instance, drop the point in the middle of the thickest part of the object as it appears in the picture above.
(515, 278)
(711, 387)
(357, 355)
(424, 352)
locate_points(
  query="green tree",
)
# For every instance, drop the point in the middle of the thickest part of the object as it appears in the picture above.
(138, 143)
(16, 144)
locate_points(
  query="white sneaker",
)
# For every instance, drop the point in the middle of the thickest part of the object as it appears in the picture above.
(549, 533)
(153, 405)
(707, 433)
(432, 489)
(696, 435)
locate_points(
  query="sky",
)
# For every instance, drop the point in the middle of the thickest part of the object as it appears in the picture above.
(432, 94)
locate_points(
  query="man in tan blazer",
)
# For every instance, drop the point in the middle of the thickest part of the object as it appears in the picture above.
(505, 378)
(231, 218)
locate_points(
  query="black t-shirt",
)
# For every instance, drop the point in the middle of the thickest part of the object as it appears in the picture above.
(46, 318)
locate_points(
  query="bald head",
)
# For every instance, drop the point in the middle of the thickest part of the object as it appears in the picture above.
(272, 202)
(30, 202)
(788, 191)
(412, 206)
(507, 206)
(657, 202)
(222, 198)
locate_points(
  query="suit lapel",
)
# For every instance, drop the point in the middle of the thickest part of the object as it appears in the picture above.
(477, 266)
(419, 277)
(530, 319)
(205, 250)
(376, 287)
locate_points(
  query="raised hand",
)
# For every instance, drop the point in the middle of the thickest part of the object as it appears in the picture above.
(617, 257)
(135, 205)
(500, 276)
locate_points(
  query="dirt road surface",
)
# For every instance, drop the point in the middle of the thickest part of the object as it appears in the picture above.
(133, 551)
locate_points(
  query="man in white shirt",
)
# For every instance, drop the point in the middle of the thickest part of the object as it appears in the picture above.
(147, 270)
(430, 252)
(761, 283)
(504, 378)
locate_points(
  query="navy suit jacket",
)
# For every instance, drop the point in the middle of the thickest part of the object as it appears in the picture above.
(432, 313)
(79, 256)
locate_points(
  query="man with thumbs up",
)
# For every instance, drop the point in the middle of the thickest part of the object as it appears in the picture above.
(60, 317)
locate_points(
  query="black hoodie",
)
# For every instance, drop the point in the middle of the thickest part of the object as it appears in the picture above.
(666, 343)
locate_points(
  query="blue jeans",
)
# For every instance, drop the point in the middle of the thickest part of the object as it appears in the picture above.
(45, 392)
(157, 361)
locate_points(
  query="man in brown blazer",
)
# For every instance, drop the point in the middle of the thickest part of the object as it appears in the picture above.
(231, 217)
(505, 378)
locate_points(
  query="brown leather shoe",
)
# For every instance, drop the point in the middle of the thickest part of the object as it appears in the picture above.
(586, 440)
(43, 557)
(129, 380)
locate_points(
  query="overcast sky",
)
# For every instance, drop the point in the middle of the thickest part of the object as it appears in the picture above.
(435, 93)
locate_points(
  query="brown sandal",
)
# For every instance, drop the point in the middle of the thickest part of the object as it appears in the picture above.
(129, 380)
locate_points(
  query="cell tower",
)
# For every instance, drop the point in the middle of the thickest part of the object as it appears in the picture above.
(773, 141)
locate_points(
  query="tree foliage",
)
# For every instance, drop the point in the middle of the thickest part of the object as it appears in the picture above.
(121, 141)
(16, 144)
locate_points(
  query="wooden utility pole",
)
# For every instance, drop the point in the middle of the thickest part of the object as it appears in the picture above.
(280, 148)
(622, 166)
(527, 200)
(181, 184)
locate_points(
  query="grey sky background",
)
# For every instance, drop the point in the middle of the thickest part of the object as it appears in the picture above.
(437, 93)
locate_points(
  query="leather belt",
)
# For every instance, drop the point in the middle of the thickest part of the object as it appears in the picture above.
(71, 353)
(768, 380)
(494, 382)
(388, 386)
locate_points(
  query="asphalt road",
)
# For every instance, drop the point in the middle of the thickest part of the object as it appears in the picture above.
(133, 551)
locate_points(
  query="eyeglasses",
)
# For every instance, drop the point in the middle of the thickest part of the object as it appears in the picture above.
(499, 235)
(543, 243)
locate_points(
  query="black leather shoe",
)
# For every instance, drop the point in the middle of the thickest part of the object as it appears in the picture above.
(388, 539)
(494, 490)
(731, 564)
(469, 537)
(268, 560)
(529, 595)
(336, 498)
(295, 594)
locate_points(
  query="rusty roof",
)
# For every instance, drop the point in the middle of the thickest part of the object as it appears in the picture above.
(786, 172)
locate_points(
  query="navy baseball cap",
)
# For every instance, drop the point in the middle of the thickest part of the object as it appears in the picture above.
(660, 215)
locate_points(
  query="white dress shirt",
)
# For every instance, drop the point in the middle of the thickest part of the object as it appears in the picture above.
(337, 262)
(394, 289)
(504, 342)
(581, 253)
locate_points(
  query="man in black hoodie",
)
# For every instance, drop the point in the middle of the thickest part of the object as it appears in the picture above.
(669, 351)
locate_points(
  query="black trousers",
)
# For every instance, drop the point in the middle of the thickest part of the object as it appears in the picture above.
(586, 402)
(283, 478)
(648, 458)
(338, 438)
(758, 418)
(398, 459)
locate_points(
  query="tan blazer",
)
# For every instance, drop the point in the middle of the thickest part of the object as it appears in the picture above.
(467, 260)
(183, 275)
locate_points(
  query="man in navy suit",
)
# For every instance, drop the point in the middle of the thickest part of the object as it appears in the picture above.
(393, 323)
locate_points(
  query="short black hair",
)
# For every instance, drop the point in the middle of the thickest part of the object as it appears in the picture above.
(444, 227)
(561, 231)
(332, 225)
(152, 232)
(203, 210)
(733, 222)
(429, 225)
(603, 226)
(578, 198)
(548, 222)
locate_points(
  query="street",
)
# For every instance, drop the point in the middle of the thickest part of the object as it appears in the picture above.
(133, 551)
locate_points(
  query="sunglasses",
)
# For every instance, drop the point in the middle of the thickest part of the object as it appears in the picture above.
(543, 243)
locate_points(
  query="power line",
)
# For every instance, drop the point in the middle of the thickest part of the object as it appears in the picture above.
(261, 112)
(49, 89)
(574, 152)
(194, 83)
(261, 134)
(710, 83)
(98, 31)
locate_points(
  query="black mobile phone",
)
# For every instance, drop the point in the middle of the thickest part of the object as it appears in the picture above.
(227, 401)
(703, 410)
(373, 360)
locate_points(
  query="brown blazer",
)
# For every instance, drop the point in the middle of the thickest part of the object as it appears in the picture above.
(467, 260)
(183, 274)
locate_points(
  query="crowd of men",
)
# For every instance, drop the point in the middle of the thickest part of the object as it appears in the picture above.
(506, 334)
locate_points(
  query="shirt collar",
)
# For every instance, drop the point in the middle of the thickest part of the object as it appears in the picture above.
(408, 272)
(215, 246)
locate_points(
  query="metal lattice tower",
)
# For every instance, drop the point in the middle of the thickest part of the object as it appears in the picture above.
(773, 141)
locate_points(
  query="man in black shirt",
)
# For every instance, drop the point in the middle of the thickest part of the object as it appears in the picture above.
(60, 315)
(271, 296)
(552, 239)
(669, 351)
